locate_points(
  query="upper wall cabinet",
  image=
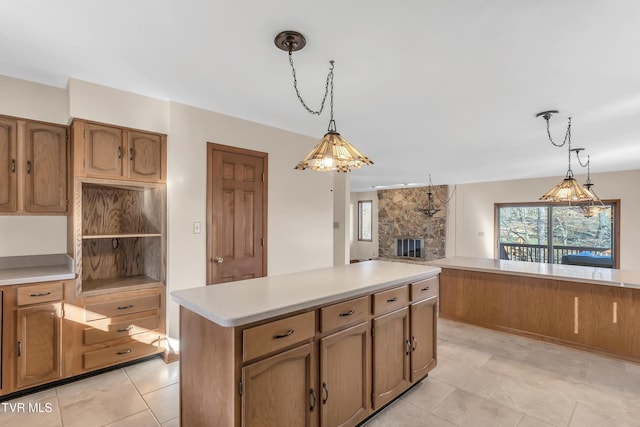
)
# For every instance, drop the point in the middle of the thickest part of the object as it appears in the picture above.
(33, 173)
(105, 151)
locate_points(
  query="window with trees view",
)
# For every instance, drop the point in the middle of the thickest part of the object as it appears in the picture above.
(558, 234)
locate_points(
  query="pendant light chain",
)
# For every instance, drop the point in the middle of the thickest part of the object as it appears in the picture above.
(567, 136)
(328, 83)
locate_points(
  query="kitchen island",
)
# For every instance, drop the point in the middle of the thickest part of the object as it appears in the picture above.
(591, 308)
(324, 347)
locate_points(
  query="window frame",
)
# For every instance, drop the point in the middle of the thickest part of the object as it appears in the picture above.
(615, 246)
(361, 204)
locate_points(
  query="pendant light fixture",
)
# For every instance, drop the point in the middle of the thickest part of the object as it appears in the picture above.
(568, 190)
(333, 152)
(593, 206)
(430, 210)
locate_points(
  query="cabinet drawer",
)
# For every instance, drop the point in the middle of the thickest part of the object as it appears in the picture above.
(143, 345)
(344, 314)
(393, 299)
(424, 289)
(121, 307)
(40, 292)
(114, 328)
(270, 337)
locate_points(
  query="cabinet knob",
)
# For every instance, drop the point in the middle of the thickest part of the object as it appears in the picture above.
(13, 165)
(28, 166)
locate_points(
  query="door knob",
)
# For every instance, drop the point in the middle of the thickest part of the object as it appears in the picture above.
(218, 259)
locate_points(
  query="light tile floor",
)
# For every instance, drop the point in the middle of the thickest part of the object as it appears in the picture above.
(483, 378)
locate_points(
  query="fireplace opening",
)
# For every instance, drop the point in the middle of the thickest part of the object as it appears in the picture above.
(409, 247)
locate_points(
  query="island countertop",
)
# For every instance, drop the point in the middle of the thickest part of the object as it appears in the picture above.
(574, 273)
(246, 301)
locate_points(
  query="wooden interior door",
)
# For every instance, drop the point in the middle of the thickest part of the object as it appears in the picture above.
(236, 214)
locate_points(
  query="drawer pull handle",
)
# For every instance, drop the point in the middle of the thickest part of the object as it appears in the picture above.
(394, 299)
(425, 289)
(13, 165)
(415, 344)
(19, 349)
(408, 343)
(347, 313)
(125, 307)
(326, 393)
(128, 328)
(286, 334)
(28, 167)
(124, 352)
(40, 294)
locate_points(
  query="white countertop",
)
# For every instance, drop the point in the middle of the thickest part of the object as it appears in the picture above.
(574, 273)
(246, 301)
(18, 270)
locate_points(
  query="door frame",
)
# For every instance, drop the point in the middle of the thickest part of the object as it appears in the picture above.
(211, 147)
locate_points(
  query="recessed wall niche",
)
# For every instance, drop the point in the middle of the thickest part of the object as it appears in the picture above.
(399, 217)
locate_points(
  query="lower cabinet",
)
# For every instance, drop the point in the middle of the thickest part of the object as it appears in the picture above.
(391, 350)
(345, 376)
(281, 390)
(38, 346)
(423, 338)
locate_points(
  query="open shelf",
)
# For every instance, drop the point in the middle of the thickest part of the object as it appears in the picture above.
(122, 242)
(120, 236)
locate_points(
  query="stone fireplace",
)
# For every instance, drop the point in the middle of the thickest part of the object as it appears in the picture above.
(403, 231)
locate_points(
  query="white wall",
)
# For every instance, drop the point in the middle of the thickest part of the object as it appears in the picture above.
(473, 228)
(33, 235)
(363, 250)
(341, 223)
(300, 203)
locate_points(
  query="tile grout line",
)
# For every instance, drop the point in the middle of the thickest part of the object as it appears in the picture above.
(142, 397)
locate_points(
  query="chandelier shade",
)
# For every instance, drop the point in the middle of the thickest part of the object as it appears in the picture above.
(333, 153)
(568, 190)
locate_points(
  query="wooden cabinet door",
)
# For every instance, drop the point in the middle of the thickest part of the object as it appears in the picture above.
(345, 377)
(423, 338)
(391, 349)
(281, 390)
(103, 150)
(8, 166)
(145, 156)
(39, 344)
(46, 168)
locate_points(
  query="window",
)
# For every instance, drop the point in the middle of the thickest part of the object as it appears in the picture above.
(365, 220)
(558, 234)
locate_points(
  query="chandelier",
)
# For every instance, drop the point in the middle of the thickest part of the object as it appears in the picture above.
(333, 152)
(430, 210)
(594, 205)
(569, 189)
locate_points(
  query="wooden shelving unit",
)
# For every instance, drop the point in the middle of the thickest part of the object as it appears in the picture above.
(122, 235)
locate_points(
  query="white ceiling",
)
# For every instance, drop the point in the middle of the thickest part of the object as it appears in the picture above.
(446, 87)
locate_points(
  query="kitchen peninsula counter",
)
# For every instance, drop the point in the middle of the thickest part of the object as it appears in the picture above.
(594, 309)
(595, 275)
(324, 347)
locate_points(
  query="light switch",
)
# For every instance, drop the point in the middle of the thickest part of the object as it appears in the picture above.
(196, 227)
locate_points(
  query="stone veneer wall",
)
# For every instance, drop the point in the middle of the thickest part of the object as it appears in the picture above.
(398, 215)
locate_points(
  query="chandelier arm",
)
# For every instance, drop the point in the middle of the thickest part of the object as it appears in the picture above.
(326, 88)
